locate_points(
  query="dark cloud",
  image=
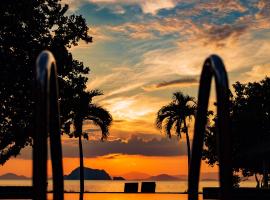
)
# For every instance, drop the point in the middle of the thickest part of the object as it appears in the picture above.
(183, 81)
(118, 121)
(146, 146)
(221, 32)
(177, 82)
(134, 146)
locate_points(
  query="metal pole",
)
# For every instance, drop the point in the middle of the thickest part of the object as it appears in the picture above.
(213, 67)
(47, 121)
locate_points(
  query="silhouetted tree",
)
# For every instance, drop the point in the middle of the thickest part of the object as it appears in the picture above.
(26, 28)
(175, 115)
(250, 120)
(86, 110)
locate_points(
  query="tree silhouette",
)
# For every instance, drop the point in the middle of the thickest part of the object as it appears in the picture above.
(250, 120)
(86, 110)
(28, 27)
(175, 115)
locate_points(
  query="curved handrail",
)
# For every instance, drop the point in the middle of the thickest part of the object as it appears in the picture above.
(47, 122)
(213, 66)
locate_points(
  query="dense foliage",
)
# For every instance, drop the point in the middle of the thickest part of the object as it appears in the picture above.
(250, 120)
(26, 28)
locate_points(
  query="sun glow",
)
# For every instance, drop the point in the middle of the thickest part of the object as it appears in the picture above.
(128, 108)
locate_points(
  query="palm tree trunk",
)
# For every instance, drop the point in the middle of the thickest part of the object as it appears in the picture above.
(188, 142)
(265, 174)
(81, 168)
(257, 181)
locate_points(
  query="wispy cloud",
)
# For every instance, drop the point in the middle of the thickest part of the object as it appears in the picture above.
(131, 107)
(154, 28)
(123, 89)
(97, 81)
(257, 73)
(177, 82)
(148, 6)
(221, 6)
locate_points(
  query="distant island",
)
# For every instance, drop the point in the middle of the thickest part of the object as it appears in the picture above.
(100, 174)
(118, 178)
(163, 177)
(208, 176)
(91, 174)
(11, 176)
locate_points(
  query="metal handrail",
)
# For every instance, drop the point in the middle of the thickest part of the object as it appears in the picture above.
(47, 122)
(213, 66)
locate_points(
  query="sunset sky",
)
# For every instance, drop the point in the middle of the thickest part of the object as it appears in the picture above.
(142, 52)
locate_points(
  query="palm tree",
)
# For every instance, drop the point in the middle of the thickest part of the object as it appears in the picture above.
(86, 110)
(175, 115)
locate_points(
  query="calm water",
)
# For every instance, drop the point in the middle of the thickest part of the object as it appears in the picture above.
(112, 186)
(118, 186)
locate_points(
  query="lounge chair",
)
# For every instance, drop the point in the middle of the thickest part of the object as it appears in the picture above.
(131, 187)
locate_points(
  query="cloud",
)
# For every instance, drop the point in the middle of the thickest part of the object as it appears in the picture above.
(123, 89)
(264, 9)
(131, 108)
(145, 144)
(187, 29)
(183, 82)
(134, 146)
(73, 4)
(148, 6)
(97, 81)
(221, 6)
(257, 73)
(153, 6)
(111, 156)
(219, 33)
(155, 28)
(210, 21)
(146, 49)
(188, 57)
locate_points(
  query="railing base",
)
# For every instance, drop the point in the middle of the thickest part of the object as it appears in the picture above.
(16, 192)
(238, 193)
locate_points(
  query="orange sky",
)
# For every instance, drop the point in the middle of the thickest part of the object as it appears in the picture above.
(116, 166)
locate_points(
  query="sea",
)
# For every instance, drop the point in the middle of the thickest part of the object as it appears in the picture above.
(113, 190)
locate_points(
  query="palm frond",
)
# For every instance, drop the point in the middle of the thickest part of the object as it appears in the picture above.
(178, 125)
(165, 112)
(168, 125)
(180, 98)
(94, 93)
(174, 114)
(100, 117)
